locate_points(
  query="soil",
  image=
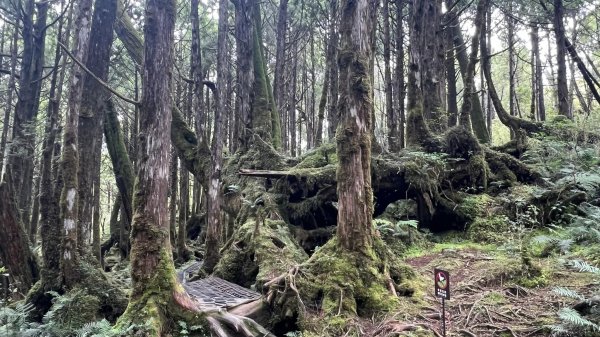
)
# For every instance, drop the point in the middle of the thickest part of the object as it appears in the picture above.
(486, 298)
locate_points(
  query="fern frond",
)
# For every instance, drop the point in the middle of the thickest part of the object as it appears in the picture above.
(566, 292)
(574, 318)
(584, 267)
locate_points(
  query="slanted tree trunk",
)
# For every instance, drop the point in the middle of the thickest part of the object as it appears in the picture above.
(562, 89)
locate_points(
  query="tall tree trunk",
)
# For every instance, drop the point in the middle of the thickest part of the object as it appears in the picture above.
(477, 116)
(401, 85)
(355, 196)
(322, 108)
(332, 56)
(562, 89)
(539, 84)
(91, 116)
(154, 282)
(14, 50)
(173, 199)
(30, 86)
(392, 119)
(214, 219)
(280, 56)
(196, 73)
(512, 71)
(69, 199)
(452, 93)
(50, 228)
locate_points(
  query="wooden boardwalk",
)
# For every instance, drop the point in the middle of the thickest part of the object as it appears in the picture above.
(213, 292)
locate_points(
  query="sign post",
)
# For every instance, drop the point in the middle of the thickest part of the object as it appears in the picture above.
(442, 289)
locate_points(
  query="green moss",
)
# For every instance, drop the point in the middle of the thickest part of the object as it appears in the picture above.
(492, 229)
(256, 258)
(494, 298)
(319, 157)
(534, 278)
(348, 284)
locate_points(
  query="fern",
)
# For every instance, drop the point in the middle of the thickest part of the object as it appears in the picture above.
(574, 318)
(94, 329)
(566, 292)
(584, 267)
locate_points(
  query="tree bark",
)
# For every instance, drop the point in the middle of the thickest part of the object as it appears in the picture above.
(539, 83)
(15, 252)
(355, 195)
(30, 86)
(69, 200)
(477, 117)
(14, 50)
(91, 116)
(401, 85)
(561, 80)
(332, 56)
(392, 119)
(214, 200)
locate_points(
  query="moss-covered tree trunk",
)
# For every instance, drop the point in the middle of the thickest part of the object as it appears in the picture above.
(69, 200)
(153, 273)
(355, 196)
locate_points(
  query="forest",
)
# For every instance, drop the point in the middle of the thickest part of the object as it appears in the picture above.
(299, 168)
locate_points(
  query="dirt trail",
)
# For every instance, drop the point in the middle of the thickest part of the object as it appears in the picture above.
(486, 299)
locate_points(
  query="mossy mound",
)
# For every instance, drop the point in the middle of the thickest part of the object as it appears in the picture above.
(340, 284)
(257, 253)
(319, 157)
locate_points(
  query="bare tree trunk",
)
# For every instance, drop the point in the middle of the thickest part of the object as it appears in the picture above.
(214, 219)
(401, 89)
(512, 91)
(561, 76)
(392, 119)
(14, 50)
(91, 116)
(452, 93)
(30, 85)
(332, 56)
(539, 84)
(196, 73)
(173, 199)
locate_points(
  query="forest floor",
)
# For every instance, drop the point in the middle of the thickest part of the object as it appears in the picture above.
(490, 294)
